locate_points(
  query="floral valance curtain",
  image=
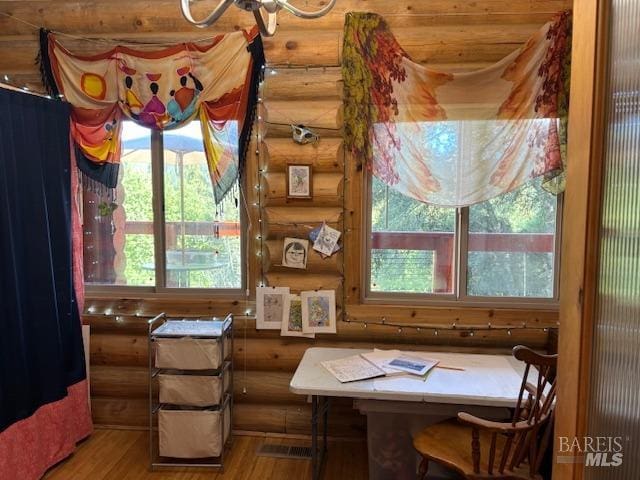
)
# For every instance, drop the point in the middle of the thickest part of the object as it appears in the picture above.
(455, 139)
(215, 83)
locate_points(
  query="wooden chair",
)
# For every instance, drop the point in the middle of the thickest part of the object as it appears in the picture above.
(511, 450)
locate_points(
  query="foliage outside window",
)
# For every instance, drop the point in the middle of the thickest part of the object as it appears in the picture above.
(202, 242)
(504, 247)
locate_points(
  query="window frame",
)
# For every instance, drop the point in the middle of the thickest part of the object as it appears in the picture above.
(460, 296)
(160, 290)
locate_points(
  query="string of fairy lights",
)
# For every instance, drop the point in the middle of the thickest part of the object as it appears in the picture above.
(401, 327)
(425, 328)
(420, 327)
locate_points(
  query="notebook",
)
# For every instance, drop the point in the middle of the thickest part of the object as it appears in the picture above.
(352, 369)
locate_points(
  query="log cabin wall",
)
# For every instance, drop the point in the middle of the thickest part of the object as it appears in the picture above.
(302, 85)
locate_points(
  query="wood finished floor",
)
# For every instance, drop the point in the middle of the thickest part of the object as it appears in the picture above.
(123, 455)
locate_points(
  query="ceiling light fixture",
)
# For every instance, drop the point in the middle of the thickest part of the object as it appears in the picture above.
(265, 12)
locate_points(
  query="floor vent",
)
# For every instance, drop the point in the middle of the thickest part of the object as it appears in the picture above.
(283, 451)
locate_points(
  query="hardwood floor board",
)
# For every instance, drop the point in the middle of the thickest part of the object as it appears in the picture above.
(243, 449)
(95, 457)
(123, 455)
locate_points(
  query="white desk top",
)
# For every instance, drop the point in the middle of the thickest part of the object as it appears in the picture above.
(489, 380)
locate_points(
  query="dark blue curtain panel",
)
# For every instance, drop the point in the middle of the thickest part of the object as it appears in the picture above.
(41, 351)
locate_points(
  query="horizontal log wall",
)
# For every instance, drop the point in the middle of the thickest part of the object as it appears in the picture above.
(302, 85)
(265, 363)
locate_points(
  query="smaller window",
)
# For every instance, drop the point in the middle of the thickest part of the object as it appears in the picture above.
(202, 241)
(417, 249)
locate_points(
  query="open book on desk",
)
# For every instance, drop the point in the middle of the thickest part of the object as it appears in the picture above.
(378, 363)
(352, 369)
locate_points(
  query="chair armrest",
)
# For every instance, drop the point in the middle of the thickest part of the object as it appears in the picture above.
(474, 421)
(501, 427)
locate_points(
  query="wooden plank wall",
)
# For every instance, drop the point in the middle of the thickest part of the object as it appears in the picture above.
(302, 85)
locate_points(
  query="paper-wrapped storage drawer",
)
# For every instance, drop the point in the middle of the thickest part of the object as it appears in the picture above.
(188, 353)
(193, 390)
(193, 433)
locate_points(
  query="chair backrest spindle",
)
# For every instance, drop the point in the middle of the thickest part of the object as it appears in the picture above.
(533, 411)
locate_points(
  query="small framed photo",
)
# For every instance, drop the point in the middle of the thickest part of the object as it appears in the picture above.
(270, 305)
(292, 323)
(299, 181)
(319, 311)
(294, 253)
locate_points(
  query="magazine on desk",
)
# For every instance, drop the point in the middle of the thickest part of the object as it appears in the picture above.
(413, 365)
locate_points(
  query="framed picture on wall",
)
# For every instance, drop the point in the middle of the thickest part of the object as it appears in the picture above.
(292, 323)
(319, 311)
(299, 181)
(270, 306)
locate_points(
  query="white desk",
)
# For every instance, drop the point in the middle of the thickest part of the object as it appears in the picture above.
(487, 385)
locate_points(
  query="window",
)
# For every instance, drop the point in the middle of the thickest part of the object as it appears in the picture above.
(504, 247)
(200, 243)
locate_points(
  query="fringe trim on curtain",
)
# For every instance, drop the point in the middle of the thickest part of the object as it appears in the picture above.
(104, 173)
(257, 75)
(44, 63)
(89, 184)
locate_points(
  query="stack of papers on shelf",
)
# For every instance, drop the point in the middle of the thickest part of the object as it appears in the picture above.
(182, 328)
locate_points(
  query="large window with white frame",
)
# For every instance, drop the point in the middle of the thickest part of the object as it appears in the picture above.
(163, 230)
(500, 250)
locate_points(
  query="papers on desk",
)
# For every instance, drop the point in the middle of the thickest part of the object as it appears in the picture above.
(413, 365)
(478, 377)
(381, 359)
(353, 368)
(377, 364)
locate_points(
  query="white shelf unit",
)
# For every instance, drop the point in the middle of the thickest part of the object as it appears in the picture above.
(190, 391)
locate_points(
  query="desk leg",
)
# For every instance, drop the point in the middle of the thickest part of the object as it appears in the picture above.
(319, 407)
(324, 425)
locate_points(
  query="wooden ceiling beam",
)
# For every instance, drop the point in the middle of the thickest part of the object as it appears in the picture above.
(116, 16)
(460, 44)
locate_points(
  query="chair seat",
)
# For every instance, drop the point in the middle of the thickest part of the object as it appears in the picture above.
(449, 443)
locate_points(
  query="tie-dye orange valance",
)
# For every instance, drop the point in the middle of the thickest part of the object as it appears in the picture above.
(214, 82)
(456, 139)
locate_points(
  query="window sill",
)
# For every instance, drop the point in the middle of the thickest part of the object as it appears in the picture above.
(449, 301)
(93, 292)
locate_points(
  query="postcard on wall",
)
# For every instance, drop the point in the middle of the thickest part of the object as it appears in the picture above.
(294, 252)
(270, 304)
(327, 240)
(292, 323)
(313, 235)
(319, 311)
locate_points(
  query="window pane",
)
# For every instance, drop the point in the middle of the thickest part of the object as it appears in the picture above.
(203, 251)
(118, 233)
(412, 244)
(511, 244)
